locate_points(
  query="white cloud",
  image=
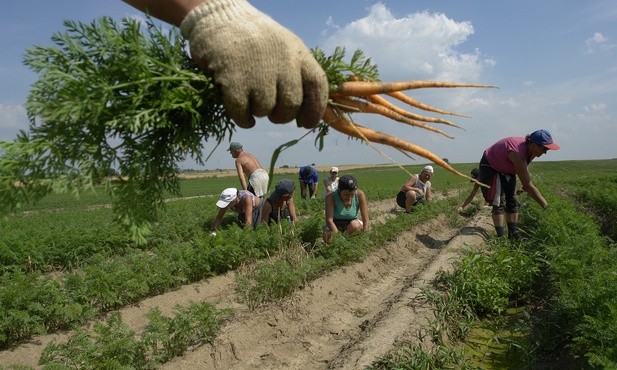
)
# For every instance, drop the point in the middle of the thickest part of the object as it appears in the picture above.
(597, 43)
(511, 102)
(595, 108)
(418, 46)
(478, 102)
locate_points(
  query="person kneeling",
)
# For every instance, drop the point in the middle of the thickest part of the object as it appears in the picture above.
(342, 208)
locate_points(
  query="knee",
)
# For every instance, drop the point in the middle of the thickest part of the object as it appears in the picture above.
(512, 206)
(354, 226)
(498, 211)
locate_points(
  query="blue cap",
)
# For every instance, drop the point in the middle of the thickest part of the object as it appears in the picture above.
(284, 187)
(544, 138)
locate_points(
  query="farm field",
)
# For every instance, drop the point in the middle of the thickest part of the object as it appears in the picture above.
(277, 298)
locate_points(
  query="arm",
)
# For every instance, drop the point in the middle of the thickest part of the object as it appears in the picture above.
(428, 195)
(219, 218)
(363, 210)
(315, 181)
(291, 206)
(470, 196)
(248, 211)
(240, 171)
(523, 174)
(408, 185)
(330, 213)
(326, 185)
(172, 12)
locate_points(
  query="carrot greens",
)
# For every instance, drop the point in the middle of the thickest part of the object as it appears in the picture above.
(111, 98)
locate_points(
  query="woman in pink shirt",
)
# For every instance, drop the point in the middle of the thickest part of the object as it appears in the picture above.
(501, 163)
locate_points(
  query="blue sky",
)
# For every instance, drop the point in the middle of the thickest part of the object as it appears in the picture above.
(554, 61)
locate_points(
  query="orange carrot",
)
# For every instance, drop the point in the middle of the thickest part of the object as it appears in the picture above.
(414, 103)
(368, 107)
(341, 124)
(377, 99)
(365, 88)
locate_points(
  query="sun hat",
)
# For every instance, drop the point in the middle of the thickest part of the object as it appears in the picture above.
(347, 182)
(544, 138)
(334, 169)
(428, 169)
(227, 196)
(234, 146)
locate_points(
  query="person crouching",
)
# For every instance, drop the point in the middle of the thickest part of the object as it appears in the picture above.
(342, 208)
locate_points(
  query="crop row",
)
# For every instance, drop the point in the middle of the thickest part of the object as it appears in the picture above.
(48, 293)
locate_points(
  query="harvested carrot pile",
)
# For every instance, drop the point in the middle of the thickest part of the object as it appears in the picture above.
(126, 99)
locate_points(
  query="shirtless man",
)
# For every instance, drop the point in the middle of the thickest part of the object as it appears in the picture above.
(249, 167)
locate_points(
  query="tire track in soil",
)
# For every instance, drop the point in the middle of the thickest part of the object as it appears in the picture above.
(343, 320)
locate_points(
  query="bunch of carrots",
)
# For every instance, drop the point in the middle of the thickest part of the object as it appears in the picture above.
(362, 93)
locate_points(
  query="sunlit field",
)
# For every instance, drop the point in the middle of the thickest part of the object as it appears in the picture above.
(65, 261)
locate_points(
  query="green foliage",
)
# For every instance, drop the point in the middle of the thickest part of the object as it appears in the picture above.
(112, 345)
(488, 282)
(110, 96)
(339, 71)
(565, 255)
(581, 286)
(413, 357)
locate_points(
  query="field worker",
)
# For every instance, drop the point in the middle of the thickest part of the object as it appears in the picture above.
(261, 68)
(280, 204)
(474, 174)
(342, 208)
(308, 179)
(501, 163)
(245, 203)
(416, 189)
(249, 167)
(331, 182)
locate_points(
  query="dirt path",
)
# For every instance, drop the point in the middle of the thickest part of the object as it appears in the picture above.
(343, 320)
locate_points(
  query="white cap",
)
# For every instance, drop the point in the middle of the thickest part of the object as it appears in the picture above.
(227, 196)
(428, 168)
(334, 169)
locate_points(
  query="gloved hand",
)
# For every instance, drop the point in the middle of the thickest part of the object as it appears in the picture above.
(263, 69)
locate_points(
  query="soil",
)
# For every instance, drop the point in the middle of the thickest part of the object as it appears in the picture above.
(343, 320)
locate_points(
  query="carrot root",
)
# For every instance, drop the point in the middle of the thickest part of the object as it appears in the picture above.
(366, 88)
(368, 107)
(414, 103)
(343, 125)
(376, 99)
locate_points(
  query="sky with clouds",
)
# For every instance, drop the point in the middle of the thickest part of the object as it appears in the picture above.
(554, 62)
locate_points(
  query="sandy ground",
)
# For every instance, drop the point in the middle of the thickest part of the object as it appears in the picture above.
(343, 320)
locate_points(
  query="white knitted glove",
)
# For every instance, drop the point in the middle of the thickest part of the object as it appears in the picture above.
(263, 69)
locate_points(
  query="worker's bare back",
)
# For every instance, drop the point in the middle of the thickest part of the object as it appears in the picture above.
(248, 163)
